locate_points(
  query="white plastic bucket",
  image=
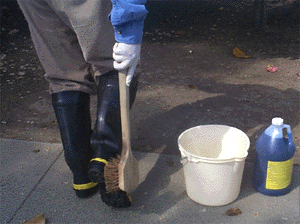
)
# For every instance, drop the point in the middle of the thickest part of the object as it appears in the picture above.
(213, 158)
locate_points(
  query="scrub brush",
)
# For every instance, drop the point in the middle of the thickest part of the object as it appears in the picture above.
(123, 172)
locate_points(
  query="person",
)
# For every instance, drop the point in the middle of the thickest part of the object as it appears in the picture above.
(82, 44)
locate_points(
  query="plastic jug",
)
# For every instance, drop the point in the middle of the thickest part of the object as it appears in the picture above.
(273, 164)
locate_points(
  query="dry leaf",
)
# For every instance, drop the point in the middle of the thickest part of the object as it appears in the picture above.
(39, 219)
(233, 212)
(13, 31)
(180, 32)
(271, 68)
(162, 217)
(239, 53)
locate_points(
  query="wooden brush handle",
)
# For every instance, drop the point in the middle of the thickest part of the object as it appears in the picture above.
(124, 108)
(128, 166)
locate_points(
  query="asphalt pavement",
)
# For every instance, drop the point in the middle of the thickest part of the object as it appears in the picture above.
(35, 179)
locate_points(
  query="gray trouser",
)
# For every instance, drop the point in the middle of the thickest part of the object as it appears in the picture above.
(73, 40)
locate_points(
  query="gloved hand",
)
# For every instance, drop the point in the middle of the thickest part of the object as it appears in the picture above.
(119, 199)
(126, 56)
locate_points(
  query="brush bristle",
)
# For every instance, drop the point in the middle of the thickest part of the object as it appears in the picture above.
(111, 175)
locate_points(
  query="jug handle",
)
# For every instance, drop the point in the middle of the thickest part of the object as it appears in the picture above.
(289, 132)
(184, 160)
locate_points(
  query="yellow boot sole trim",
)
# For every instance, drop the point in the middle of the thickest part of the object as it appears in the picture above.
(129, 197)
(84, 186)
(100, 160)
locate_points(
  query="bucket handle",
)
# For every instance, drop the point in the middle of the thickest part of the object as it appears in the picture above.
(184, 160)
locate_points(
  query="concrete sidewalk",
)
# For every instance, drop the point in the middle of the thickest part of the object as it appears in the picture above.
(35, 179)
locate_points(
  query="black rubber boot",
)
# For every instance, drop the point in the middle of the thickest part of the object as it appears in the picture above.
(72, 110)
(106, 139)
